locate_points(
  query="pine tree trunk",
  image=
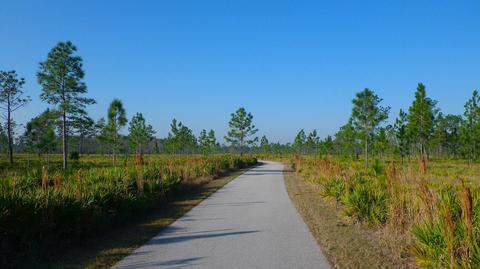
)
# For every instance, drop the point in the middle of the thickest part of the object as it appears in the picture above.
(64, 126)
(422, 158)
(241, 146)
(366, 152)
(9, 132)
(114, 145)
(64, 139)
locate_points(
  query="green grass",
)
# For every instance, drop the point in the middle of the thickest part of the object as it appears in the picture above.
(43, 211)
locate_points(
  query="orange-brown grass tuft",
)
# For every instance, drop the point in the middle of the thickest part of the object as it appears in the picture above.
(79, 190)
(45, 177)
(422, 164)
(397, 206)
(14, 181)
(57, 182)
(139, 178)
(466, 204)
(427, 198)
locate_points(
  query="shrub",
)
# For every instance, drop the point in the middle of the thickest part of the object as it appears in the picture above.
(366, 199)
(377, 167)
(74, 156)
(334, 187)
(450, 239)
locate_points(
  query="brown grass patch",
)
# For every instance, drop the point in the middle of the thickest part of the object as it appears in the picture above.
(345, 243)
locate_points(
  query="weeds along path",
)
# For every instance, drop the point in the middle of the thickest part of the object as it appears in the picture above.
(249, 223)
(345, 245)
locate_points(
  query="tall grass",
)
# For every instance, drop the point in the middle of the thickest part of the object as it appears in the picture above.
(438, 217)
(44, 206)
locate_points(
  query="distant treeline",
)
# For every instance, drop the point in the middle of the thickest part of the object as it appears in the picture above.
(67, 128)
(422, 130)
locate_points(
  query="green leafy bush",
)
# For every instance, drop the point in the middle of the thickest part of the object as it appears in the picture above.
(335, 187)
(366, 199)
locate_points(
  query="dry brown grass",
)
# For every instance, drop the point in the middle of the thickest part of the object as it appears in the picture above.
(345, 243)
(430, 213)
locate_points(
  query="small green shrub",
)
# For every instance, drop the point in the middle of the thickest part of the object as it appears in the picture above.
(335, 187)
(377, 167)
(366, 199)
(430, 248)
(74, 156)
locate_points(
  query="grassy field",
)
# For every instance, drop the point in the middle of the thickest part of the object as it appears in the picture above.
(43, 209)
(392, 214)
(430, 220)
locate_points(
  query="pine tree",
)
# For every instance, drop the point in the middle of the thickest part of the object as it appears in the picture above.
(180, 139)
(203, 142)
(312, 141)
(11, 99)
(470, 131)
(117, 119)
(100, 129)
(264, 144)
(327, 145)
(346, 139)
(299, 142)
(140, 132)
(453, 125)
(207, 141)
(367, 114)
(401, 136)
(242, 130)
(439, 135)
(61, 78)
(39, 133)
(381, 142)
(3, 140)
(421, 116)
(84, 127)
(212, 141)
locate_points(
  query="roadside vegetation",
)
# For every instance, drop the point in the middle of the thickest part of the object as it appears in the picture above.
(414, 181)
(345, 242)
(42, 209)
(428, 219)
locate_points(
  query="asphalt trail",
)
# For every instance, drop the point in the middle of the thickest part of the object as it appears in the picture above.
(249, 223)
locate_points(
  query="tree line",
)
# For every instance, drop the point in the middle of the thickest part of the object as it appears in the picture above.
(66, 123)
(422, 130)
(65, 127)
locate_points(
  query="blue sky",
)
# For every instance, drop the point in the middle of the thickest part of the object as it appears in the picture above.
(293, 64)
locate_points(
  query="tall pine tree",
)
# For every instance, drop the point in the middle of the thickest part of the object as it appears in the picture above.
(421, 116)
(367, 114)
(11, 99)
(242, 130)
(61, 77)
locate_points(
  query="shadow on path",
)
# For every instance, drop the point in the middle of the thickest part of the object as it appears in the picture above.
(176, 239)
(180, 263)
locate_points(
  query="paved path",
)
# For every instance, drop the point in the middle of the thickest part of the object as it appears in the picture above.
(249, 223)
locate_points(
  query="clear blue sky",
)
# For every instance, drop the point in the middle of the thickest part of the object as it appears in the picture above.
(293, 64)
